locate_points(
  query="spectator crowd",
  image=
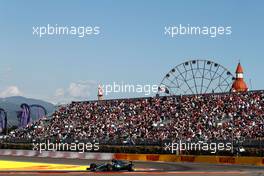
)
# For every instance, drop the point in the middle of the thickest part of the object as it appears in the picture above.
(229, 116)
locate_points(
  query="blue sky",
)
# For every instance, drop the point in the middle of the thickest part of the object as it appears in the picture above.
(131, 46)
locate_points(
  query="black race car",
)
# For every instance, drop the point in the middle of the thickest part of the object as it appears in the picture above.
(115, 165)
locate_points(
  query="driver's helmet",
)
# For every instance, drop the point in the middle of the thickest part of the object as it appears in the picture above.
(114, 161)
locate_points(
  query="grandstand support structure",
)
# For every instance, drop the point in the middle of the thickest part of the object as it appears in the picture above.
(196, 77)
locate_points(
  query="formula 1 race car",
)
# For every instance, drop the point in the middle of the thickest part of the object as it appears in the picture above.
(115, 165)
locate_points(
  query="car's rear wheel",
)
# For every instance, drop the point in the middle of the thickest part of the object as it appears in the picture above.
(130, 168)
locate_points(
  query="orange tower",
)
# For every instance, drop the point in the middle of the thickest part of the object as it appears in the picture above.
(239, 84)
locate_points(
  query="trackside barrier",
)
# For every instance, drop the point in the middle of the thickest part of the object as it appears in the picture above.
(57, 154)
(258, 161)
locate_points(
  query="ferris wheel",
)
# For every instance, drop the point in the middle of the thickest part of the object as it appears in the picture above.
(196, 77)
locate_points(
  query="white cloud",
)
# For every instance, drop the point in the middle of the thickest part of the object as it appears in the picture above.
(76, 91)
(11, 91)
(59, 92)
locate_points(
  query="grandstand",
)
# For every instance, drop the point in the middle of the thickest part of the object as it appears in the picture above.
(151, 121)
(236, 116)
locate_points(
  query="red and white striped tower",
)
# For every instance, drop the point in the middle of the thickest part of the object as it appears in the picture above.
(100, 94)
(239, 84)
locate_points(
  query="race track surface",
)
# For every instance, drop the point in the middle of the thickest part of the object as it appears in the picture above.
(74, 167)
